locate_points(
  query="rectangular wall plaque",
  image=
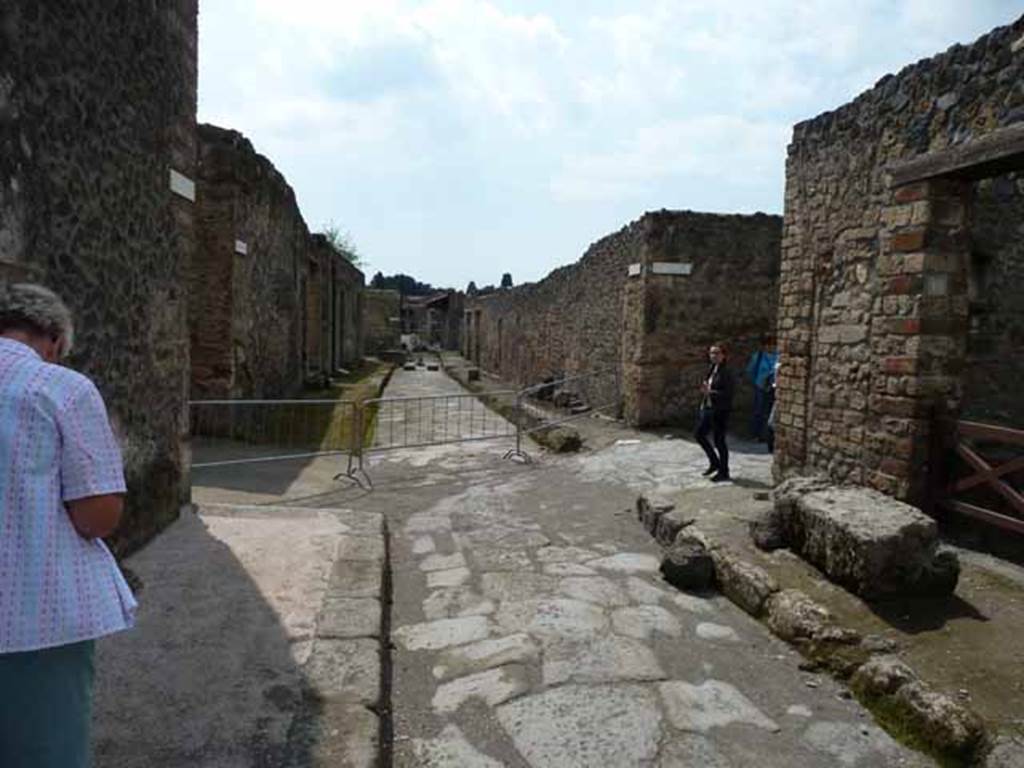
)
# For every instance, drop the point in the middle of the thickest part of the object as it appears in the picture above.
(241, 247)
(182, 185)
(635, 270)
(671, 268)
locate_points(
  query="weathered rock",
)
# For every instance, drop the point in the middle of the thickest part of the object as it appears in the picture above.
(943, 723)
(669, 525)
(687, 565)
(837, 649)
(880, 676)
(744, 583)
(650, 510)
(793, 616)
(560, 439)
(866, 541)
(769, 530)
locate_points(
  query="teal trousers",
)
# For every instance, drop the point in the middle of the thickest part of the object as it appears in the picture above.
(46, 707)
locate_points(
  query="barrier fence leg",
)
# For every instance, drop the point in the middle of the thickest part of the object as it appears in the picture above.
(518, 453)
(355, 467)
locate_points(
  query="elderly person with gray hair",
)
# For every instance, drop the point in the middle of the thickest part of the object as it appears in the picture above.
(61, 491)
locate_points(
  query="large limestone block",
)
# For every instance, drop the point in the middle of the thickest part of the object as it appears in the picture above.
(870, 543)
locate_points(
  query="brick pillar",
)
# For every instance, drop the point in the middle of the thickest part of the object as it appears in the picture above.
(919, 331)
(795, 328)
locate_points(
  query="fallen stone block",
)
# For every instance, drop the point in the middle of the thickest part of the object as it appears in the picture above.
(687, 565)
(649, 510)
(560, 439)
(941, 723)
(795, 617)
(873, 545)
(744, 583)
(670, 524)
(880, 676)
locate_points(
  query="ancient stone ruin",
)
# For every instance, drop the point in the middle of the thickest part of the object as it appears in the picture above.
(382, 320)
(270, 304)
(638, 310)
(97, 170)
(899, 297)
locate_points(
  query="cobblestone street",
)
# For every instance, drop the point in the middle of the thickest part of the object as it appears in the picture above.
(529, 625)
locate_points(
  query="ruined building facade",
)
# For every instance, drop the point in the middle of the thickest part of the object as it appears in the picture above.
(180, 251)
(435, 319)
(97, 128)
(902, 265)
(382, 320)
(638, 311)
(270, 305)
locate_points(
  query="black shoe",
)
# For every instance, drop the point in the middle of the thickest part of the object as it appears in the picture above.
(709, 471)
(720, 478)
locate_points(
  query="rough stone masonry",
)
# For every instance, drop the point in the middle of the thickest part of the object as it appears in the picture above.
(641, 306)
(269, 304)
(878, 266)
(97, 170)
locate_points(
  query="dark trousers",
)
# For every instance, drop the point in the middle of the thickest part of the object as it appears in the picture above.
(715, 422)
(763, 399)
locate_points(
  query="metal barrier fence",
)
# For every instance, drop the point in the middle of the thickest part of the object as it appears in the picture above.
(230, 432)
(254, 431)
(606, 380)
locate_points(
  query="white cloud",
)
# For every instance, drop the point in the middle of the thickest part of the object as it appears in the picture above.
(706, 149)
(455, 105)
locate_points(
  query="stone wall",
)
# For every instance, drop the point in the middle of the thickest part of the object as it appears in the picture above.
(97, 108)
(567, 324)
(641, 306)
(728, 294)
(270, 304)
(874, 295)
(382, 324)
(334, 327)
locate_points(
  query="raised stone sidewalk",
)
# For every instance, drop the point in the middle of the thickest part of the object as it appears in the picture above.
(258, 643)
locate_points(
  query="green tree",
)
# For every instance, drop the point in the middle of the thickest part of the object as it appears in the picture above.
(341, 240)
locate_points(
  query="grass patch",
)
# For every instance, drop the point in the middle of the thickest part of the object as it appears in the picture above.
(306, 427)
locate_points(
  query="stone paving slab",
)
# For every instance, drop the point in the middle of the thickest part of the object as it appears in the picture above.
(550, 639)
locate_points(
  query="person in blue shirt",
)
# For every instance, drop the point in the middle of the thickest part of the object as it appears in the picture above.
(760, 372)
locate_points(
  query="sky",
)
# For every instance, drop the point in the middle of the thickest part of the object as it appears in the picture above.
(456, 140)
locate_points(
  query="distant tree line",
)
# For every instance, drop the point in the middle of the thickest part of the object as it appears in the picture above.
(404, 284)
(506, 282)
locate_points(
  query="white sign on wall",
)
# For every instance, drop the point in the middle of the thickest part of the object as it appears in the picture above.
(635, 269)
(241, 247)
(671, 268)
(183, 186)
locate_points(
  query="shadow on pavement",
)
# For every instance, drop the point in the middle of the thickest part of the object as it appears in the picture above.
(210, 676)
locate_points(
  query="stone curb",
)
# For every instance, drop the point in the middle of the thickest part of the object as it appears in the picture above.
(901, 701)
(340, 722)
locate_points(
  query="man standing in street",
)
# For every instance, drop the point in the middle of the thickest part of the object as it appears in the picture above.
(760, 372)
(61, 491)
